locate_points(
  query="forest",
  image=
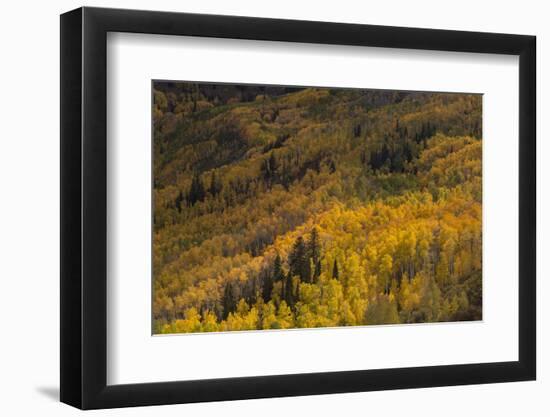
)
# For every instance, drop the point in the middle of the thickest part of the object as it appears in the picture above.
(282, 207)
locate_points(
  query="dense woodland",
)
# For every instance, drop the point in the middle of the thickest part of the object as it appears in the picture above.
(283, 207)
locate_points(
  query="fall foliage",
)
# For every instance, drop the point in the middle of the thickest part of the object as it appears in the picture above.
(279, 207)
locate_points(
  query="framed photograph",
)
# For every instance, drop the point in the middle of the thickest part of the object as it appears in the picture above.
(257, 208)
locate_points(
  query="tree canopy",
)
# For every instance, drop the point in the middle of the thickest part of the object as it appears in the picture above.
(314, 207)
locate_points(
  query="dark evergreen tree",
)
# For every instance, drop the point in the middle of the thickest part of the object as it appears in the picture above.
(313, 246)
(363, 157)
(379, 157)
(299, 262)
(196, 192)
(335, 273)
(396, 161)
(427, 130)
(374, 160)
(269, 169)
(317, 271)
(357, 130)
(314, 253)
(273, 164)
(265, 169)
(215, 184)
(278, 274)
(407, 151)
(289, 296)
(286, 175)
(252, 291)
(179, 200)
(229, 301)
(332, 166)
(385, 154)
(267, 286)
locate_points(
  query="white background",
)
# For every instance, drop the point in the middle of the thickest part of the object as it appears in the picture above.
(29, 237)
(134, 356)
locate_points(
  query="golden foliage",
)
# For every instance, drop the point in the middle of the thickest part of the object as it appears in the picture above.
(384, 192)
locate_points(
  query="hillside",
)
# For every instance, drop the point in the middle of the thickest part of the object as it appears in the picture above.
(279, 207)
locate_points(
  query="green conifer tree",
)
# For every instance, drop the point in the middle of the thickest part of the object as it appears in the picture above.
(335, 273)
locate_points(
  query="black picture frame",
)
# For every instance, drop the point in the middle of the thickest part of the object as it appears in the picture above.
(84, 207)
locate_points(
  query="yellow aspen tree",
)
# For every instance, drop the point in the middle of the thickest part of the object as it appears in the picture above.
(284, 316)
